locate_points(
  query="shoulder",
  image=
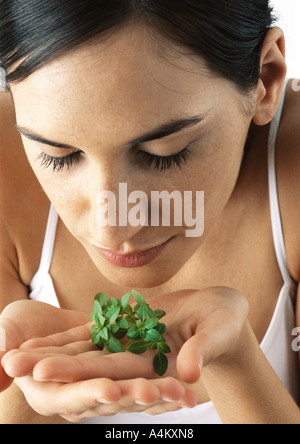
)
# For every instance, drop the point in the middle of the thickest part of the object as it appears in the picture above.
(24, 206)
(288, 176)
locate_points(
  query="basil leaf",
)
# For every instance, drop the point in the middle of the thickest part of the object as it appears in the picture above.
(109, 349)
(112, 314)
(120, 334)
(160, 363)
(131, 322)
(97, 320)
(97, 307)
(151, 323)
(161, 328)
(159, 314)
(142, 312)
(163, 347)
(95, 334)
(115, 345)
(128, 310)
(112, 302)
(114, 328)
(122, 323)
(100, 344)
(137, 347)
(133, 333)
(96, 310)
(153, 336)
(150, 313)
(101, 297)
(104, 333)
(125, 300)
(138, 297)
(102, 320)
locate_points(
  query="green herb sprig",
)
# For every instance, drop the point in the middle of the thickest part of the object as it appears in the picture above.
(115, 319)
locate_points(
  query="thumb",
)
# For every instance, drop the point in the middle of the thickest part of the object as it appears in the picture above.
(204, 347)
(190, 360)
(5, 381)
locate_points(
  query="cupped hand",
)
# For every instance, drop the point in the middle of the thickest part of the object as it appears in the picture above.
(70, 396)
(105, 397)
(203, 327)
(26, 319)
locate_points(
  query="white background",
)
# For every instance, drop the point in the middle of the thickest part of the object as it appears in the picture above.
(289, 20)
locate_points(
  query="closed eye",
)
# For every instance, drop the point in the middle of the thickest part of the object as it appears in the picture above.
(166, 163)
(161, 163)
(59, 163)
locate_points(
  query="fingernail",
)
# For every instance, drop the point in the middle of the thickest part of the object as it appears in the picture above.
(142, 403)
(2, 340)
(167, 399)
(103, 401)
(201, 364)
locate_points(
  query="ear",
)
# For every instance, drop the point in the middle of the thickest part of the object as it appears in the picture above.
(273, 71)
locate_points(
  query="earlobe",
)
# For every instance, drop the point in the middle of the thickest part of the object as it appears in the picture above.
(273, 72)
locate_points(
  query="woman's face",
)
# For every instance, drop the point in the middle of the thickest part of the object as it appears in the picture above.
(97, 100)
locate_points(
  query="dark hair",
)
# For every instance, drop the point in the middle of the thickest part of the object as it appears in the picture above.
(228, 34)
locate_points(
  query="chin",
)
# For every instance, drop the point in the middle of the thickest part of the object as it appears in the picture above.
(142, 277)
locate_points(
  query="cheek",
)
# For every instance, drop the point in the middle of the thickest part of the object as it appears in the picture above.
(66, 195)
(217, 174)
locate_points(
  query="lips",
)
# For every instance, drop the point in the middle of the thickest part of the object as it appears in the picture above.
(135, 259)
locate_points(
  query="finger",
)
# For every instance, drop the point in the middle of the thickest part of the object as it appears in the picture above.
(95, 365)
(48, 398)
(172, 397)
(140, 395)
(136, 395)
(100, 397)
(189, 400)
(18, 363)
(142, 391)
(77, 334)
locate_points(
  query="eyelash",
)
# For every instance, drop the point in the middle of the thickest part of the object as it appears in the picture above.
(59, 163)
(166, 163)
(162, 164)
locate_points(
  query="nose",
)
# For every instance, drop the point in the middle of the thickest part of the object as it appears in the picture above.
(110, 214)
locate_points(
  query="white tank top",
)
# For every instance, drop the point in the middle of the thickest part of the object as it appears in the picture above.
(276, 345)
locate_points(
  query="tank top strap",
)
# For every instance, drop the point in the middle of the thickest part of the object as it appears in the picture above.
(273, 194)
(48, 246)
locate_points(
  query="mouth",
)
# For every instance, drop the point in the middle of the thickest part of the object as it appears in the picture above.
(134, 259)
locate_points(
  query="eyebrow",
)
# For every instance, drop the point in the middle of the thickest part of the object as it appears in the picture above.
(164, 130)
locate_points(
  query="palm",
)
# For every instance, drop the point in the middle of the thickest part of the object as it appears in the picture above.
(192, 316)
(26, 319)
(199, 323)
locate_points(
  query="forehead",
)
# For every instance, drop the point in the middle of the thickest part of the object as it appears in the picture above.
(128, 76)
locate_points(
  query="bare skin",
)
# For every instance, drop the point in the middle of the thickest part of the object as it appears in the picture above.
(61, 101)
